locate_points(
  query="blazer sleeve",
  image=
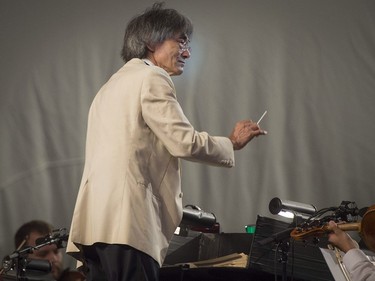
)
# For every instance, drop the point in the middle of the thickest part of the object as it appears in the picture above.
(164, 115)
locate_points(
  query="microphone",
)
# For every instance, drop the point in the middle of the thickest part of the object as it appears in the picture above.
(42, 240)
(52, 239)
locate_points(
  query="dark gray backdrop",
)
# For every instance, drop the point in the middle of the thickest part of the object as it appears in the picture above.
(311, 64)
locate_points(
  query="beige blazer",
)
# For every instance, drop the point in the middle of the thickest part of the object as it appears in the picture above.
(131, 187)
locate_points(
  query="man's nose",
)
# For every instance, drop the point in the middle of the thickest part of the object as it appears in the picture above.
(186, 53)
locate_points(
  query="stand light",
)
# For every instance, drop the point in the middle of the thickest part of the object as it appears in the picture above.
(290, 209)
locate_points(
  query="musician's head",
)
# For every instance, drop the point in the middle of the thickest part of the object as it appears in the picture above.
(27, 235)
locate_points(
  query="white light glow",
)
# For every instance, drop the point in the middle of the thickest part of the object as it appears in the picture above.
(286, 214)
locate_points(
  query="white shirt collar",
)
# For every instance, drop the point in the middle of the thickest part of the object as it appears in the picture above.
(147, 61)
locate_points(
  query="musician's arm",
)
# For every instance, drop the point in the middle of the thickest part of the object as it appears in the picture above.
(359, 266)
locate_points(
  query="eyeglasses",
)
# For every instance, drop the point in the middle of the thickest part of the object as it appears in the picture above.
(184, 44)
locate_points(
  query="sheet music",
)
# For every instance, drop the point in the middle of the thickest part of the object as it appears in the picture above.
(333, 264)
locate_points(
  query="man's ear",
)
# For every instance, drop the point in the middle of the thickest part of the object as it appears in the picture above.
(150, 48)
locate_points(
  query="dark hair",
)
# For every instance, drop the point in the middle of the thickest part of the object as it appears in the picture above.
(38, 226)
(154, 26)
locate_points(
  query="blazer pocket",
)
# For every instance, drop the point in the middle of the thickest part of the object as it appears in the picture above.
(149, 197)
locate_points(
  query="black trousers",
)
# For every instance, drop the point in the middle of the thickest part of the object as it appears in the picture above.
(113, 262)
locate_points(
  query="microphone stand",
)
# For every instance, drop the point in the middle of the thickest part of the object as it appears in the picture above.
(280, 239)
(284, 247)
(19, 257)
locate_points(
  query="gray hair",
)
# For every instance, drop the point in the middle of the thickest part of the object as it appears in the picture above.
(153, 27)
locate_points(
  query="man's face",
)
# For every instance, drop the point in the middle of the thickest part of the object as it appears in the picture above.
(48, 252)
(171, 55)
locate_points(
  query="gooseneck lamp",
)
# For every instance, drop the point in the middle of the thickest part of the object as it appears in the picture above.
(289, 208)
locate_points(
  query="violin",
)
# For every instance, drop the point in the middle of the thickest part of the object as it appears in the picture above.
(366, 229)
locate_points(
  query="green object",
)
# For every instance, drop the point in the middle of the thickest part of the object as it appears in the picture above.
(250, 228)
